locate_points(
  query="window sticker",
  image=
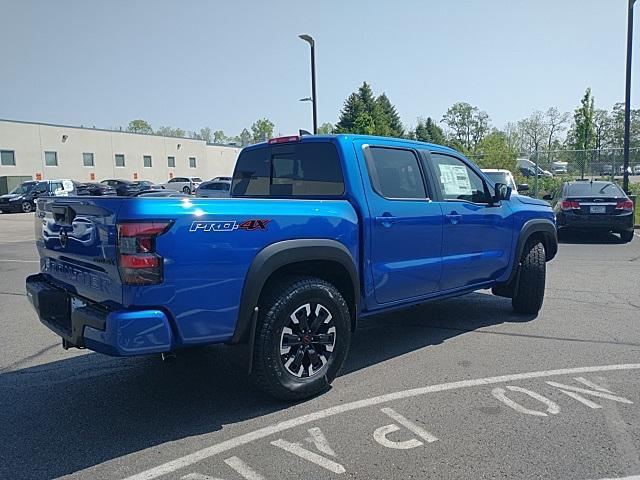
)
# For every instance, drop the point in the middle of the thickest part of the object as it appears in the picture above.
(455, 179)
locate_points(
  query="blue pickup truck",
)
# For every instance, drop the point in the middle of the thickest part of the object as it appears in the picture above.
(319, 231)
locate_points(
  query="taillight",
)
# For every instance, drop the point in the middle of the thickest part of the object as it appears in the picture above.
(570, 205)
(625, 204)
(138, 262)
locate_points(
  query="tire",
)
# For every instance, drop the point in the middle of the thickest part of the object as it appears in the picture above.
(27, 207)
(283, 371)
(186, 190)
(530, 289)
(626, 236)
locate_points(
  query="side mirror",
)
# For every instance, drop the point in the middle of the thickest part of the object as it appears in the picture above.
(548, 196)
(523, 187)
(502, 192)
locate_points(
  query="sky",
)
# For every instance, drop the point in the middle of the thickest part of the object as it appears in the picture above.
(224, 64)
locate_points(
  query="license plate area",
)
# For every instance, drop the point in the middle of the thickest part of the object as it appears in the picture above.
(598, 209)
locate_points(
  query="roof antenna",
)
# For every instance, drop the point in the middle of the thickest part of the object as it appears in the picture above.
(304, 132)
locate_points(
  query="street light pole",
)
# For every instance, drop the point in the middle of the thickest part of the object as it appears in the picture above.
(312, 44)
(627, 99)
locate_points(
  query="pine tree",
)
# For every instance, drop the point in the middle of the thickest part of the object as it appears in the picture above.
(429, 131)
(352, 107)
(363, 113)
(390, 116)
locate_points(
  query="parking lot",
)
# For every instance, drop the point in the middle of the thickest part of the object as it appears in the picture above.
(461, 388)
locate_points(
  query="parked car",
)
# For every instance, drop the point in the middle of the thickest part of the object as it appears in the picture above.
(183, 184)
(621, 170)
(281, 265)
(559, 168)
(147, 185)
(606, 170)
(531, 172)
(125, 188)
(498, 175)
(221, 179)
(594, 206)
(94, 189)
(214, 189)
(23, 197)
(636, 169)
(20, 199)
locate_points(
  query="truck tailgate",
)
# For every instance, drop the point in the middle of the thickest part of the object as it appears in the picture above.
(76, 240)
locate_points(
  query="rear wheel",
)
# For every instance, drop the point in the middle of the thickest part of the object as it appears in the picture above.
(626, 236)
(27, 207)
(302, 338)
(530, 289)
(186, 190)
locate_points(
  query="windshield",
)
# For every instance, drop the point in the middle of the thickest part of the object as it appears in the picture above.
(501, 177)
(22, 189)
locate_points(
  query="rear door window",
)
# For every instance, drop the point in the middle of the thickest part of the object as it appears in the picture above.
(295, 169)
(395, 173)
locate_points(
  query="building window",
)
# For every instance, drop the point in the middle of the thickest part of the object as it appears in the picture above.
(7, 157)
(146, 160)
(171, 161)
(192, 162)
(87, 159)
(51, 159)
(119, 160)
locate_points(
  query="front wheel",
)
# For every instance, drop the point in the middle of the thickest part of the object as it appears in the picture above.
(27, 207)
(530, 289)
(626, 236)
(186, 190)
(302, 338)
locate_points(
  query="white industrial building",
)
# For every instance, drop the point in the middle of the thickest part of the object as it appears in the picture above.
(43, 151)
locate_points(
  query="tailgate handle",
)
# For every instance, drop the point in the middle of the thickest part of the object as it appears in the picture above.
(63, 214)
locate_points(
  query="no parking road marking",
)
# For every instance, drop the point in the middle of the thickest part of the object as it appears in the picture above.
(268, 431)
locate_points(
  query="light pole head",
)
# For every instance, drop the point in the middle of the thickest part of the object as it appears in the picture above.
(307, 38)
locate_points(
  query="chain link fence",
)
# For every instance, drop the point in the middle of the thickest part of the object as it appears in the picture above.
(558, 166)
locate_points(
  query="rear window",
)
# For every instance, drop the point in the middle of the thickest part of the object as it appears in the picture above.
(580, 189)
(215, 186)
(298, 169)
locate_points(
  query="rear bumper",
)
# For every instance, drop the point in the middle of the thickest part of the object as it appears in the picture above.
(117, 333)
(615, 223)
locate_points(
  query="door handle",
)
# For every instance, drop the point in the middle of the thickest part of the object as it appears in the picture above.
(386, 220)
(454, 218)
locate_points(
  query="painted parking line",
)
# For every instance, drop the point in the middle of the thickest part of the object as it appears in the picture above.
(264, 432)
(10, 260)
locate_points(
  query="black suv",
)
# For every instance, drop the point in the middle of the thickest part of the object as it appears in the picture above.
(23, 197)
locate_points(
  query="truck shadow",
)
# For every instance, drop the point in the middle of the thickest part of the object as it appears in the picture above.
(588, 238)
(68, 415)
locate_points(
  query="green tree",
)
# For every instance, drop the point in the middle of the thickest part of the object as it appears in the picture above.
(170, 132)
(468, 124)
(428, 131)
(219, 137)
(584, 133)
(390, 116)
(139, 126)
(325, 128)
(494, 152)
(262, 130)
(244, 138)
(363, 113)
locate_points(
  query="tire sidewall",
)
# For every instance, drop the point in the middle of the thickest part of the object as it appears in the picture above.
(27, 207)
(300, 293)
(186, 190)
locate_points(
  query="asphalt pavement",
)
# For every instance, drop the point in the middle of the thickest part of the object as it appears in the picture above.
(461, 388)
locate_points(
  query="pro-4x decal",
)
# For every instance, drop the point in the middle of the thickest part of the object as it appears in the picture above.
(228, 225)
